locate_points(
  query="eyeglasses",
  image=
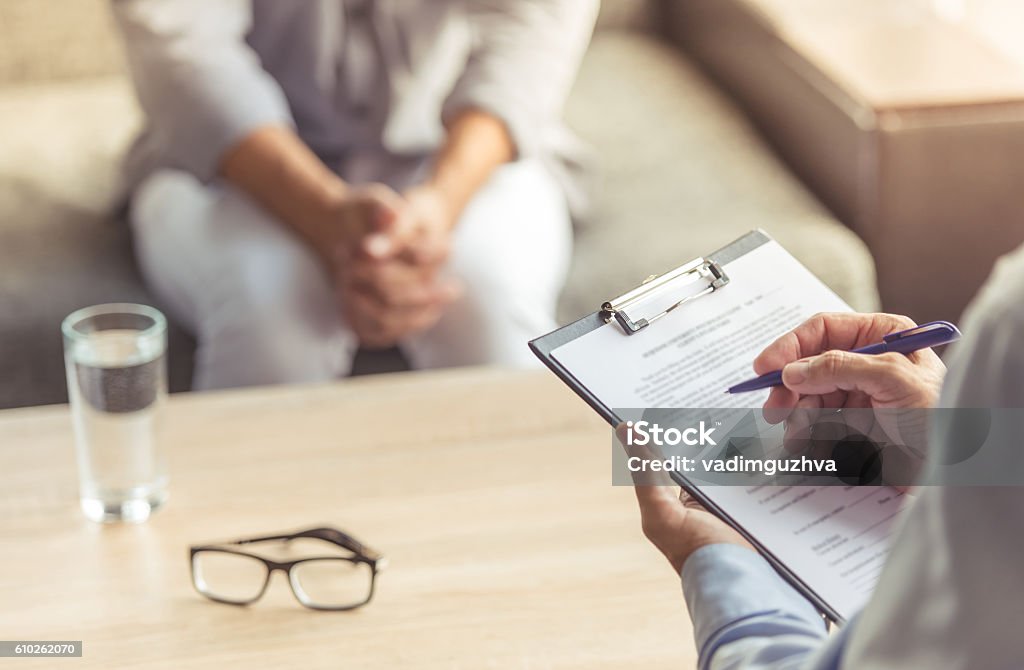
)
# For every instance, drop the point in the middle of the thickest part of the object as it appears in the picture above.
(228, 575)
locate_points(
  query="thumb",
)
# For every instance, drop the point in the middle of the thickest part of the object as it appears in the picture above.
(650, 485)
(880, 377)
(431, 248)
(390, 226)
(389, 234)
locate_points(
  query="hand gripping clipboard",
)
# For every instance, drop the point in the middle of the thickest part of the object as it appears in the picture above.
(692, 281)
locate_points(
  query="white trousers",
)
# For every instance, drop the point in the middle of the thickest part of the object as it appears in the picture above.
(264, 311)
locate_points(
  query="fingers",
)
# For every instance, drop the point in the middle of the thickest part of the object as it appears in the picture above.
(828, 331)
(675, 523)
(414, 229)
(689, 502)
(380, 327)
(385, 302)
(815, 362)
(646, 478)
(888, 378)
(622, 434)
(376, 223)
(435, 219)
(780, 403)
(396, 285)
(655, 501)
(428, 248)
(799, 423)
(389, 225)
(655, 491)
(388, 266)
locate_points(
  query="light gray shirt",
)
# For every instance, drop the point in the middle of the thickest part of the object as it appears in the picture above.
(952, 591)
(366, 84)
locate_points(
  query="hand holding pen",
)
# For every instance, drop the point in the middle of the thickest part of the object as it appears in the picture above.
(844, 360)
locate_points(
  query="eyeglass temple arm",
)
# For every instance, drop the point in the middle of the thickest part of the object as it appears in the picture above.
(332, 535)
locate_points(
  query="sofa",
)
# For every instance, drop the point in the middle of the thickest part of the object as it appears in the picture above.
(678, 172)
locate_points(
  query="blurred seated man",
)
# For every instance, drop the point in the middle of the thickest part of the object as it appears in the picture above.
(316, 175)
(952, 592)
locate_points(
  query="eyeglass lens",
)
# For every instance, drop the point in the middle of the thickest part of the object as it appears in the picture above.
(328, 583)
(230, 577)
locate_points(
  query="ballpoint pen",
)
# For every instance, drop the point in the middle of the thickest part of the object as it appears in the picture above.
(927, 335)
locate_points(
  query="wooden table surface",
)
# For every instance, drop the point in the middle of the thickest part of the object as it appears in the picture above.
(489, 491)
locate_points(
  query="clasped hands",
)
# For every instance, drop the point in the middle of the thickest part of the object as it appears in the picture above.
(386, 253)
(819, 372)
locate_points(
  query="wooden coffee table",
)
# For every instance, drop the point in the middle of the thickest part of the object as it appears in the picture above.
(489, 491)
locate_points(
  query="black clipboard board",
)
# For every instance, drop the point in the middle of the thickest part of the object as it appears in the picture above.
(710, 269)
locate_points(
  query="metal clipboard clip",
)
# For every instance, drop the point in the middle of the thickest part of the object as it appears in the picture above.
(698, 270)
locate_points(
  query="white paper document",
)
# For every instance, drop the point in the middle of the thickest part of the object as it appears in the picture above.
(831, 538)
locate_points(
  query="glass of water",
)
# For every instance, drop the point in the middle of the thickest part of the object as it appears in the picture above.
(115, 357)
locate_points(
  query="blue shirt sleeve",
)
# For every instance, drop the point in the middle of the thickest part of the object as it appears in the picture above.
(746, 616)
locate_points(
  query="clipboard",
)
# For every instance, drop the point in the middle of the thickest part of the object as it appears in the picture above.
(708, 270)
(702, 277)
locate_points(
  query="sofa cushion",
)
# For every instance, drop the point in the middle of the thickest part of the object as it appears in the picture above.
(681, 174)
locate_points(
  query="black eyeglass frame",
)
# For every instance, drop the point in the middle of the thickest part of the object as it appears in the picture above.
(360, 554)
